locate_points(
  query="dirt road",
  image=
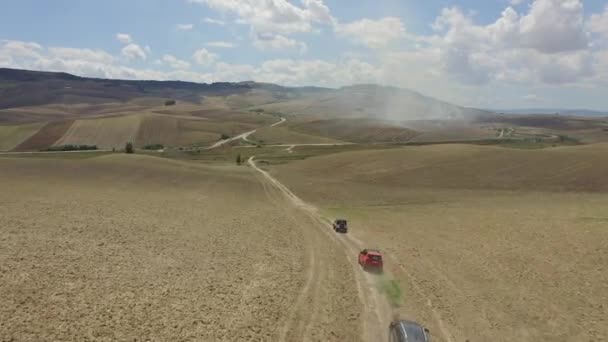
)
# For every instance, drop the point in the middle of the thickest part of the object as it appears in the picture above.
(225, 141)
(279, 122)
(243, 136)
(376, 313)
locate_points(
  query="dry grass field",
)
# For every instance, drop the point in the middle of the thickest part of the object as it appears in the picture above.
(111, 125)
(482, 243)
(172, 130)
(13, 135)
(285, 135)
(128, 247)
(105, 133)
(355, 130)
(46, 136)
(487, 243)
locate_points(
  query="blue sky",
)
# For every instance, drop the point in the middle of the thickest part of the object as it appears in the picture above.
(493, 53)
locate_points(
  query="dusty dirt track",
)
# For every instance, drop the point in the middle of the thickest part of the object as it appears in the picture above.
(376, 312)
(476, 262)
(130, 247)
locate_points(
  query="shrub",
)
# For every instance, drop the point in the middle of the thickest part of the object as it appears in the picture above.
(129, 148)
(392, 291)
(154, 147)
(238, 159)
(224, 136)
(72, 148)
(169, 102)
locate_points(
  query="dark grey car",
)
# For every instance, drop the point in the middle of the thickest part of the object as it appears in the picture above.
(407, 331)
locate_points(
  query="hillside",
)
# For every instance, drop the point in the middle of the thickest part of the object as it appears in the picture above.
(22, 88)
(465, 167)
(481, 239)
(358, 113)
(562, 111)
(374, 102)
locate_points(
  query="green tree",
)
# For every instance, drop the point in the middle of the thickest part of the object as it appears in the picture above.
(129, 148)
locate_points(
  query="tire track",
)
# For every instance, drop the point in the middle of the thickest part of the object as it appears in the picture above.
(376, 312)
(300, 313)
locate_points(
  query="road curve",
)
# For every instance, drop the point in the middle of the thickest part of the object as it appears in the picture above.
(376, 313)
(279, 122)
(295, 145)
(243, 136)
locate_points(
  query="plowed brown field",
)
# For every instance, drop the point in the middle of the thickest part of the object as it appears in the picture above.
(488, 244)
(46, 136)
(127, 247)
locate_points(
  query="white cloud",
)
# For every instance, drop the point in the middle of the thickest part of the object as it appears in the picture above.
(18, 49)
(533, 98)
(220, 44)
(554, 26)
(268, 41)
(214, 21)
(373, 33)
(83, 62)
(96, 56)
(124, 38)
(204, 57)
(184, 27)
(272, 22)
(516, 2)
(134, 51)
(548, 44)
(175, 63)
(225, 72)
(598, 23)
(292, 72)
(96, 63)
(277, 16)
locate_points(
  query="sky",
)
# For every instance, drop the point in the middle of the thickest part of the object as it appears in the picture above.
(488, 54)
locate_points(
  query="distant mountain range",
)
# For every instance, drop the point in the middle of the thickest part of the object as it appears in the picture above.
(19, 88)
(561, 111)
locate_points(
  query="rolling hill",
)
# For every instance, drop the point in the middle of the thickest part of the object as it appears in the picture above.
(360, 113)
(373, 102)
(22, 88)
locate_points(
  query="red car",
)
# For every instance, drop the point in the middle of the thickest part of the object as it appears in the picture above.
(371, 260)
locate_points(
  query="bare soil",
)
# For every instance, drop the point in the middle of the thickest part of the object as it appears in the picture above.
(46, 136)
(127, 247)
(486, 246)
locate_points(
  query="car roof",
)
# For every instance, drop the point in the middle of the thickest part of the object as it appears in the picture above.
(374, 251)
(414, 331)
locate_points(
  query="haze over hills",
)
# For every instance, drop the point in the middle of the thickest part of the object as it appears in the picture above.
(41, 110)
(562, 111)
(19, 88)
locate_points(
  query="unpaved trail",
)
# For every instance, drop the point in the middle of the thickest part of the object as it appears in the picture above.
(279, 122)
(294, 145)
(225, 141)
(243, 136)
(376, 312)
